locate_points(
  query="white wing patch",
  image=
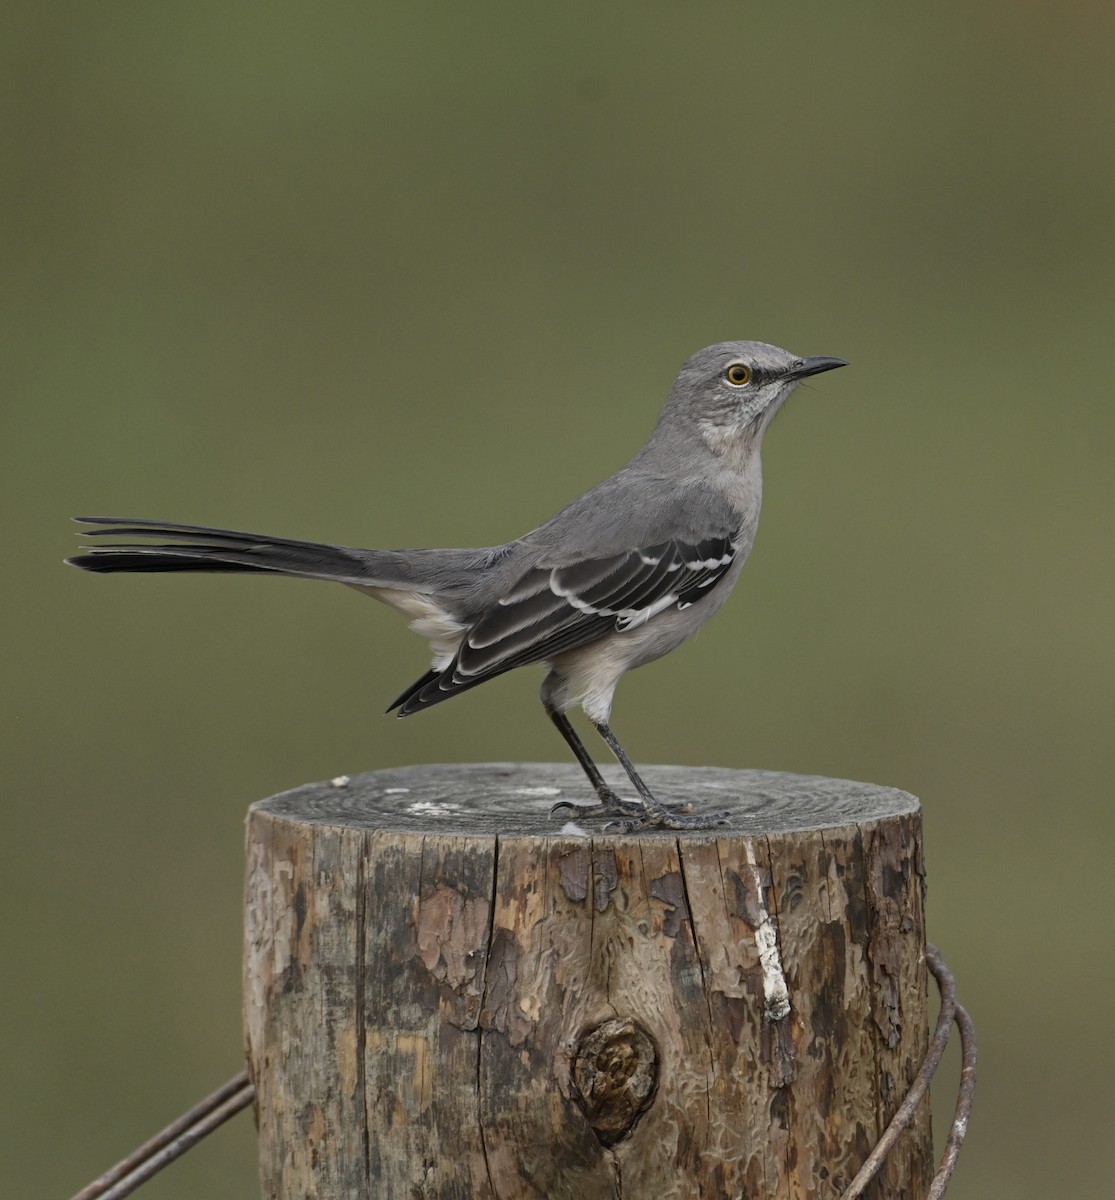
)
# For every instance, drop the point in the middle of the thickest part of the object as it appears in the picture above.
(710, 564)
(633, 618)
(704, 572)
(626, 618)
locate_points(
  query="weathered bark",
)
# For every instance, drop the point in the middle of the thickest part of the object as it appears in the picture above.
(448, 996)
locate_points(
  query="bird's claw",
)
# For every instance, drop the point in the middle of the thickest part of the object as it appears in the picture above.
(633, 815)
(609, 804)
(668, 818)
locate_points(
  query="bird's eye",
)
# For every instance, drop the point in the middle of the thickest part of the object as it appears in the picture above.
(738, 374)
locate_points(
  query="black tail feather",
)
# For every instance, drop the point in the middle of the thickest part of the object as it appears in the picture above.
(106, 561)
(207, 549)
(138, 527)
(427, 692)
(413, 690)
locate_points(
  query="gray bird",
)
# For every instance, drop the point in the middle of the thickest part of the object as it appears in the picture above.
(616, 579)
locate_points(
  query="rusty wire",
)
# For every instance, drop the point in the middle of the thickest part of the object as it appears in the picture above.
(172, 1142)
(951, 1013)
(965, 1095)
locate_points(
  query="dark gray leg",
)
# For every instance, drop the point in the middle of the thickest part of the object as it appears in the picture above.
(656, 815)
(610, 804)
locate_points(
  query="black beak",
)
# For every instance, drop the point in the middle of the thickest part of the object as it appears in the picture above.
(814, 366)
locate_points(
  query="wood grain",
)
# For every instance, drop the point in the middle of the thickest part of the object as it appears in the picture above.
(449, 995)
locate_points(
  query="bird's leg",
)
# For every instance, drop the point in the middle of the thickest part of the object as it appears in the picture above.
(655, 814)
(610, 803)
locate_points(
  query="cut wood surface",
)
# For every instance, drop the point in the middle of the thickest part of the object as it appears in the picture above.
(449, 995)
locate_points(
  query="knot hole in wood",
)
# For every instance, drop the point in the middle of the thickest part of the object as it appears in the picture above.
(616, 1071)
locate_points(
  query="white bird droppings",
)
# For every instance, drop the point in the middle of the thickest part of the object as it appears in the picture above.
(430, 808)
(538, 791)
(776, 995)
(339, 781)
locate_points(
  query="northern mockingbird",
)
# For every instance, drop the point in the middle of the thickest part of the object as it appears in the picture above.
(616, 579)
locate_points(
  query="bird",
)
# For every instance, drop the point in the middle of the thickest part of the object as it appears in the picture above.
(614, 580)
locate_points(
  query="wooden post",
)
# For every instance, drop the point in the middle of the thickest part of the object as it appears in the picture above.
(447, 995)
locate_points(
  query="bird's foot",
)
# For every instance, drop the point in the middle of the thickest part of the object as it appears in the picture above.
(665, 816)
(609, 805)
(633, 815)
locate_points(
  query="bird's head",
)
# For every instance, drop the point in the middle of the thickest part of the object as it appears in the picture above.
(729, 393)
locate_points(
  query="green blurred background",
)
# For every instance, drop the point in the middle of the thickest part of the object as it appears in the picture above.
(406, 274)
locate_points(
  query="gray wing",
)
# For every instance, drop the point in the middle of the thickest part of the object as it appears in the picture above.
(550, 610)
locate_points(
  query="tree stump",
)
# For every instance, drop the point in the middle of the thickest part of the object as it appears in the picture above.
(449, 995)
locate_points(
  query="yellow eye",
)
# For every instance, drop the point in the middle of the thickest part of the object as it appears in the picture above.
(738, 374)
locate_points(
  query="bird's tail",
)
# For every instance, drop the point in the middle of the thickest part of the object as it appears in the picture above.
(198, 548)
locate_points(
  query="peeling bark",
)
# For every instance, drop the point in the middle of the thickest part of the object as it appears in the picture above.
(446, 1000)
